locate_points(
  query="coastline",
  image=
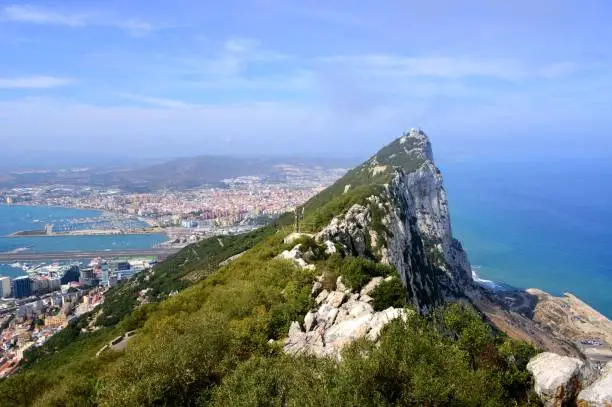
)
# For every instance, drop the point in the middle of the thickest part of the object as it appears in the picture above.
(100, 212)
(564, 318)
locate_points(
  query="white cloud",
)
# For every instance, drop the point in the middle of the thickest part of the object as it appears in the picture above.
(35, 82)
(36, 15)
(157, 102)
(394, 66)
(136, 27)
(45, 16)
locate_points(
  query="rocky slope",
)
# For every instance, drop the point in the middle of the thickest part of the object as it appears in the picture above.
(405, 222)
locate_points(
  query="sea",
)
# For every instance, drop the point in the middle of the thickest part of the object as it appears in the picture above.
(546, 225)
(15, 218)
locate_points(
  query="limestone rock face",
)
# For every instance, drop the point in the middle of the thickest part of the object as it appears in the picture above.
(337, 323)
(557, 378)
(415, 233)
(369, 287)
(599, 393)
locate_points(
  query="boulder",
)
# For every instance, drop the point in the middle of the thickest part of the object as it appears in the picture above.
(340, 285)
(557, 378)
(330, 247)
(316, 288)
(321, 297)
(382, 318)
(599, 393)
(369, 287)
(345, 332)
(335, 298)
(326, 315)
(309, 321)
(356, 309)
(305, 343)
(365, 298)
(294, 328)
(292, 237)
(295, 255)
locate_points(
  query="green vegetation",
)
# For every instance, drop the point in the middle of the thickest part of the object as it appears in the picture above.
(209, 345)
(355, 271)
(389, 294)
(218, 341)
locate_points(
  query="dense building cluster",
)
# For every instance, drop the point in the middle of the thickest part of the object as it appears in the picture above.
(231, 201)
(42, 303)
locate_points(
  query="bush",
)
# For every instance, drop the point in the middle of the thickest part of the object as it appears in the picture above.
(357, 271)
(389, 294)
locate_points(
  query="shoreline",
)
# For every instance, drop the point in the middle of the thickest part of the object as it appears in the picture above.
(566, 316)
(150, 222)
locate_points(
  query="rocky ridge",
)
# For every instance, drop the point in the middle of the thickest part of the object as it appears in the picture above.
(408, 224)
(341, 317)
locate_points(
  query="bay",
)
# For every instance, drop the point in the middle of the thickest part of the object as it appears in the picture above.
(14, 218)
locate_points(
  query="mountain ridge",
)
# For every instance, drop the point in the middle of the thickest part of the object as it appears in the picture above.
(370, 279)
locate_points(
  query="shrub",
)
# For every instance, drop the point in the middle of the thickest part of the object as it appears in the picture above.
(389, 294)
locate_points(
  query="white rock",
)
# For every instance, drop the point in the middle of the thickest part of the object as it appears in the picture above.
(292, 237)
(365, 298)
(305, 343)
(294, 328)
(342, 315)
(330, 247)
(309, 321)
(326, 315)
(346, 332)
(335, 298)
(369, 287)
(354, 297)
(599, 393)
(382, 318)
(389, 278)
(321, 297)
(556, 377)
(316, 288)
(340, 285)
(357, 308)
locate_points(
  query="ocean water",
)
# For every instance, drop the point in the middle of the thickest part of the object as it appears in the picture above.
(546, 225)
(15, 218)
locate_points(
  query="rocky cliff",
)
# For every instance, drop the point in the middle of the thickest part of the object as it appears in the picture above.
(407, 223)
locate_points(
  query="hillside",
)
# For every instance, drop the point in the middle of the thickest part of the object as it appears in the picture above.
(365, 307)
(179, 173)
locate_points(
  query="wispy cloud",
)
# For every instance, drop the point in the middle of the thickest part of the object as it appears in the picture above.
(35, 82)
(36, 15)
(158, 102)
(394, 66)
(46, 16)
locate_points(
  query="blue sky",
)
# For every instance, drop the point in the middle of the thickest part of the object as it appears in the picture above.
(483, 78)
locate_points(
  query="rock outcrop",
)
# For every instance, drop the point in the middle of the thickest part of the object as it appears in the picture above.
(407, 224)
(557, 378)
(295, 255)
(341, 318)
(599, 393)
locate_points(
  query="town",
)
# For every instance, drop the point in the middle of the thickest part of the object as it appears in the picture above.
(233, 206)
(36, 306)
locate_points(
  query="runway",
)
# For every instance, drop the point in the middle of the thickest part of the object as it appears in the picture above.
(59, 256)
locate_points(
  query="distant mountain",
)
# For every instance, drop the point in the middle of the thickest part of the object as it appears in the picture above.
(177, 173)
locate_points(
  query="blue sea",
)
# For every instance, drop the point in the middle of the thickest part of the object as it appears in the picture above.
(546, 225)
(15, 218)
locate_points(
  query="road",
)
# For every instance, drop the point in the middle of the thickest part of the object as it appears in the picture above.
(160, 253)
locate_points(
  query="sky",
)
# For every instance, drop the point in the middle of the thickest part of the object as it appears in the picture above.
(155, 78)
